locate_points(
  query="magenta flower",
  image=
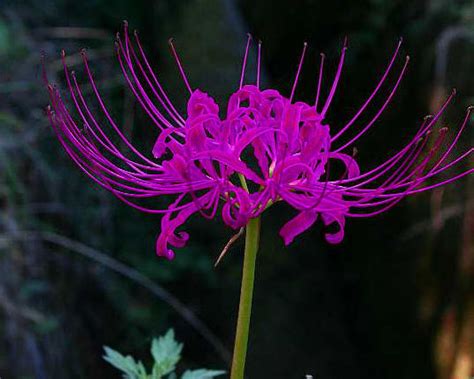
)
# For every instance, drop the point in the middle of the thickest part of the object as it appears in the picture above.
(262, 149)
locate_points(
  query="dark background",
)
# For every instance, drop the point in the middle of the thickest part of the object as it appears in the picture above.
(395, 300)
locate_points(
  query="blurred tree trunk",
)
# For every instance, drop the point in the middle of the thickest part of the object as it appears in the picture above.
(454, 345)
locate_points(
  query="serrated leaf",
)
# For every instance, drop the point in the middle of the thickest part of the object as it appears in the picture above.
(202, 374)
(166, 352)
(131, 368)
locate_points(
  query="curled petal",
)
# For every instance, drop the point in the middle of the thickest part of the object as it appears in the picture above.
(352, 168)
(201, 103)
(331, 218)
(237, 209)
(161, 143)
(168, 236)
(298, 225)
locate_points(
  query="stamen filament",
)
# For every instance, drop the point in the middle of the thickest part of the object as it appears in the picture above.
(305, 45)
(320, 79)
(180, 66)
(244, 63)
(259, 56)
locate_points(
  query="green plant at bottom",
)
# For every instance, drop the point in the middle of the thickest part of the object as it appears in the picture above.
(166, 353)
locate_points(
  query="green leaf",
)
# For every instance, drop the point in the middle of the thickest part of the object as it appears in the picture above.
(166, 352)
(202, 374)
(157, 373)
(131, 368)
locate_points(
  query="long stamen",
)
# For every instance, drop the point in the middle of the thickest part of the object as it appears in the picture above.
(428, 123)
(107, 113)
(244, 63)
(411, 184)
(259, 57)
(443, 183)
(124, 57)
(138, 59)
(155, 79)
(418, 171)
(305, 45)
(180, 66)
(372, 95)
(454, 142)
(375, 118)
(320, 79)
(336, 79)
(407, 162)
(89, 152)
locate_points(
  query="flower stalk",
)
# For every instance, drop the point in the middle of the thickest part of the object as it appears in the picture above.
(252, 238)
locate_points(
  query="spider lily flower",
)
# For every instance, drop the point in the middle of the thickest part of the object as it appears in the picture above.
(263, 148)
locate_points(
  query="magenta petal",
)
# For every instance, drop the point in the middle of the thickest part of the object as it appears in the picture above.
(352, 167)
(290, 125)
(160, 145)
(298, 225)
(330, 218)
(167, 235)
(201, 103)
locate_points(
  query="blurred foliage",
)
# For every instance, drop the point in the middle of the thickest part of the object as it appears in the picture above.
(373, 306)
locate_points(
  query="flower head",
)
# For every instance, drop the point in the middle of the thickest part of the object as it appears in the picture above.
(263, 148)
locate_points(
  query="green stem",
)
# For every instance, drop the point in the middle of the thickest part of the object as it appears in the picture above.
(252, 237)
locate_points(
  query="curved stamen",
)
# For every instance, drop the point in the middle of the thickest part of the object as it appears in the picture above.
(375, 118)
(155, 79)
(244, 63)
(454, 142)
(421, 131)
(336, 80)
(374, 92)
(132, 60)
(124, 58)
(180, 66)
(107, 114)
(259, 57)
(320, 79)
(300, 64)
